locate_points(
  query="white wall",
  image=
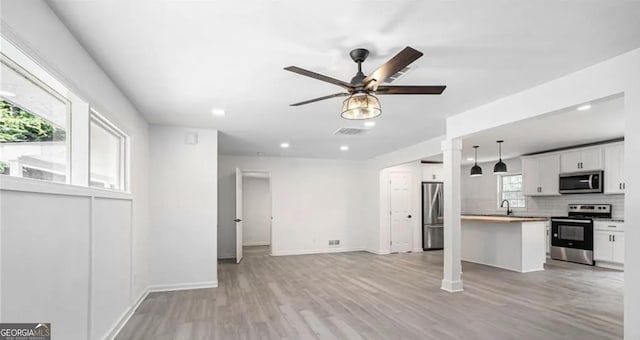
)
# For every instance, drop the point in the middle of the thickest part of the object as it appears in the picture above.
(52, 46)
(614, 76)
(313, 201)
(376, 232)
(183, 190)
(256, 211)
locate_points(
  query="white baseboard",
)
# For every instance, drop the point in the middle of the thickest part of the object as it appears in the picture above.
(227, 256)
(417, 250)
(183, 286)
(378, 252)
(609, 265)
(255, 243)
(117, 327)
(315, 251)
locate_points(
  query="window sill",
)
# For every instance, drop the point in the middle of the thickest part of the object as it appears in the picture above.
(8, 183)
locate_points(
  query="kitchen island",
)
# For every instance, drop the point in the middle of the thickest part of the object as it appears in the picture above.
(508, 242)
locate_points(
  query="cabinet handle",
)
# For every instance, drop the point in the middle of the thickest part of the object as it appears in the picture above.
(609, 237)
(613, 237)
(620, 186)
(624, 186)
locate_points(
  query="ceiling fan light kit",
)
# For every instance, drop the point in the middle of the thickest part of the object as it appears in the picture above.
(362, 91)
(361, 106)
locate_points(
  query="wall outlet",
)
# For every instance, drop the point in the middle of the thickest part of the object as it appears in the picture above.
(334, 242)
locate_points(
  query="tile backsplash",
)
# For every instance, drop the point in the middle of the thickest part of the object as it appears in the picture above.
(479, 196)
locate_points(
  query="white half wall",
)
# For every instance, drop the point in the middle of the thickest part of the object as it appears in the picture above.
(256, 196)
(65, 223)
(313, 201)
(184, 204)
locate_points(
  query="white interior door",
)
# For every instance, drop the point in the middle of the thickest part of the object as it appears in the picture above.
(238, 219)
(400, 208)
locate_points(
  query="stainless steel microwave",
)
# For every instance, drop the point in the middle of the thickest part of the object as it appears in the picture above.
(581, 182)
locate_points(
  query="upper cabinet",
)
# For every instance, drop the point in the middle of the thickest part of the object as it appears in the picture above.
(432, 172)
(614, 169)
(540, 175)
(581, 160)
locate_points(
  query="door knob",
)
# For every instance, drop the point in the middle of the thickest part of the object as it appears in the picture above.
(237, 220)
(409, 216)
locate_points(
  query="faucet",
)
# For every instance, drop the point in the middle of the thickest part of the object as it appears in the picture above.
(509, 211)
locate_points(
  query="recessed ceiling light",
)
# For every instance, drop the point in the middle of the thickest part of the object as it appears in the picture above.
(217, 112)
(470, 159)
(584, 107)
(344, 148)
(7, 93)
(284, 145)
(370, 123)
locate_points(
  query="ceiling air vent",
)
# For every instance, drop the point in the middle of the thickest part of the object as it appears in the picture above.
(350, 131)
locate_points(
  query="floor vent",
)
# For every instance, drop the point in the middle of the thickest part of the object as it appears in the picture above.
(350, 131)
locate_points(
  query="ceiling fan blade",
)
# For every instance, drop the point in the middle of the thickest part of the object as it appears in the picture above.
(391, 89)
(318, 76)
(320, 98)
(391, 67)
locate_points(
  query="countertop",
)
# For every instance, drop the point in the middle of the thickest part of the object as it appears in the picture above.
(502, 218)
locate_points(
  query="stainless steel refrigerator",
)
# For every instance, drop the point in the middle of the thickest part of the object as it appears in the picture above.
(432, 215)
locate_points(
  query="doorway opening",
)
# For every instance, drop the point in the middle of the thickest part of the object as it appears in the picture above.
(253, 213)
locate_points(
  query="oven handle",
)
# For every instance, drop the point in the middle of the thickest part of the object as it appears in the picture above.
(573, 221)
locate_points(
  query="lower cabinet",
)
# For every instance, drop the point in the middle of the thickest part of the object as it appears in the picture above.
(608, 246)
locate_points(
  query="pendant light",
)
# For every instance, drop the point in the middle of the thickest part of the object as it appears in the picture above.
(476, 170)
(500, 167)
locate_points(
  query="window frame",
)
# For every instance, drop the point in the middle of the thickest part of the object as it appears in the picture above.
(500, 191)
(53, 88)
(123, 156)
(77, 181)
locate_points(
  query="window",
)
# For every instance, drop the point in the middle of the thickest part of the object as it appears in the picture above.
(510, 189)
(33, 126)
(107, 154)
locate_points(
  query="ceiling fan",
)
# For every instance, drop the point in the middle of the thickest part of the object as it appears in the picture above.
(362, 90)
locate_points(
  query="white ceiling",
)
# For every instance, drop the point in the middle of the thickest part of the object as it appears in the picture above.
(569, 127)
(176, 60)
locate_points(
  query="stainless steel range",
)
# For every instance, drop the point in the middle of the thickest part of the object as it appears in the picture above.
(572, 236)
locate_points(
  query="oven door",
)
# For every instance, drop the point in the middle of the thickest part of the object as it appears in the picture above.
(585, 182)
(572, 233)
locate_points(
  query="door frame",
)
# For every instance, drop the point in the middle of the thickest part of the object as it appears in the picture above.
(269, 178)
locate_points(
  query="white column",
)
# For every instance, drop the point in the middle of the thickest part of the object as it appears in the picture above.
(452, 153)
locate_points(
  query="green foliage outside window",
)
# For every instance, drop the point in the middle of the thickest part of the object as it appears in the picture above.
(17, 125)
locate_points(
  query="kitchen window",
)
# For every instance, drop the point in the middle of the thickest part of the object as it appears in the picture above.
(510, 188)
(107, 154)
(34, 120)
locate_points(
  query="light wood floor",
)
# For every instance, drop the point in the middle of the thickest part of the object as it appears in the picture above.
(364, 296)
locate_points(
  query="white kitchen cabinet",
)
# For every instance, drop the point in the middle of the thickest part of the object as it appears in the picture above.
(602, 249)
(540, 175)
(581, 160)
(608, 243)
(614, 169)
(618, 248)
(432, 172)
